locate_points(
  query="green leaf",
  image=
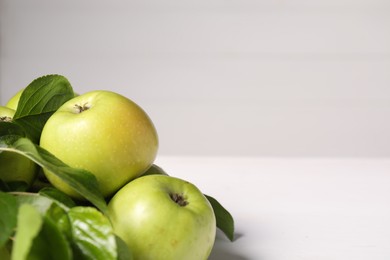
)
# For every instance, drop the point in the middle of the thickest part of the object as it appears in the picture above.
(40, 99)
(80, 180)
(8, 213)
(224, 219)
(28, 226)
(92, 233)
(58, 196)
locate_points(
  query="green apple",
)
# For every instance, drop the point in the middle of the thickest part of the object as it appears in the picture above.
(13, 101)
(15, 167)
(102, 132)
(6, 114)
(163, 217)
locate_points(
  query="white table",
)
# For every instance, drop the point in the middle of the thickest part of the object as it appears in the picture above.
(296, 208)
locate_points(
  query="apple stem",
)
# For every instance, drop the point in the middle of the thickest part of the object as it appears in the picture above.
(5, 119)
(81, 108)
(178, 199)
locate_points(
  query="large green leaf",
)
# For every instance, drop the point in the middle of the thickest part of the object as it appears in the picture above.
(39, 100)
(224, 219)
(92, 234)
(80, 180)
(8, 213)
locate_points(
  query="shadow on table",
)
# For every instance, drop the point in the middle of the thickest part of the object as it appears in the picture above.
(223, 249)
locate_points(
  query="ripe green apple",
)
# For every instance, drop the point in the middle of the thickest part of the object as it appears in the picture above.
(163, 217)
(6, 114)
(14, 100)
(102, 132)
(15, 167)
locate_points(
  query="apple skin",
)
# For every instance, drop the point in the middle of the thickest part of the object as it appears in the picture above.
(15, 167)
(155, 227)
(14, 100)
(7, 112)
(102, 132)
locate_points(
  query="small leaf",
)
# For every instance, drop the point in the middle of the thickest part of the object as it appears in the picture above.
(28, 226)
(8, 213)
(80, 180)
(224, 219)
(40, 99)
(92, 234)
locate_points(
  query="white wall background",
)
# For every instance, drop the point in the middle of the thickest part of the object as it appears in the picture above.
(219, 77)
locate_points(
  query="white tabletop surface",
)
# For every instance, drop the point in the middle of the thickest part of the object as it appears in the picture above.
(296, 208)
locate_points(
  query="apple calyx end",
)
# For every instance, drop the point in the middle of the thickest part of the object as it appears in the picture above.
(5, 119)
(81, 108)
(178, 199)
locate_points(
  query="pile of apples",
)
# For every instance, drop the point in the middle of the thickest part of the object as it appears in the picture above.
(156, 215)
